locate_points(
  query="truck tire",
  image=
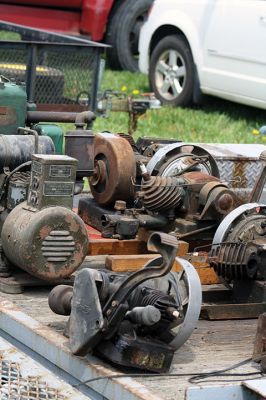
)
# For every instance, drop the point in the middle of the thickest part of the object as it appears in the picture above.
(172, 72)
(123, 34)
(110, 36)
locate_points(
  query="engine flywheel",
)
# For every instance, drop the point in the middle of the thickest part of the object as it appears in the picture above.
(114, 169)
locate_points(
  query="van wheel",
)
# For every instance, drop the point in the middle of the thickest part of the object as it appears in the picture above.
(171, 72)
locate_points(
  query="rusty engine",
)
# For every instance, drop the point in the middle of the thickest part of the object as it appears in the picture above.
(178, 191)
(137, 320)
(175, 187)
(39, 231)
(132, 320)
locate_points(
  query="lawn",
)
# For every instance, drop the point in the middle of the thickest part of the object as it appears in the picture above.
(216, 121)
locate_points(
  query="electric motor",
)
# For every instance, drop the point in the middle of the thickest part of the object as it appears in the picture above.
(42, 235)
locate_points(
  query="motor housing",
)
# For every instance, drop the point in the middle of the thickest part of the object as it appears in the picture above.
(42, 235)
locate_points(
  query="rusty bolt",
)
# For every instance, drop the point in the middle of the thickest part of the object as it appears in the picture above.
(108, 312)
(114, 303)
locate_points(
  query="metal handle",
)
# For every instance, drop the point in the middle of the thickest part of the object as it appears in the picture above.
(28, 131)
(158, 242)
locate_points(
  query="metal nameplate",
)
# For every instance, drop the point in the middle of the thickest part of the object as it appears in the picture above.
(36, 167)
(64, 189)
(60, 171)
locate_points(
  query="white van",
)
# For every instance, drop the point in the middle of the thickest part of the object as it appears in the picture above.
(215, 47)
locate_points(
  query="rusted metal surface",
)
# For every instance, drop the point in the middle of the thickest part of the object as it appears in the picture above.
(53, 347)
(8, 116)
(57, 116)
(115, 167)
(104, 308)
(260, 182)
(31, 243)
(161, 193)
(79, 143)
(228, 342)
(48, 240)
(17, 149)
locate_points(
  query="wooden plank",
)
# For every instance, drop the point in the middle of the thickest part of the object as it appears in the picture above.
(128, 263)
(232, 311)
(199, 261)
(138, 248)
(120, 263)
(114, 246)
(206, 273)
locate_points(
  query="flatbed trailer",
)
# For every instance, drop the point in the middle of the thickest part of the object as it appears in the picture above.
(27, 323)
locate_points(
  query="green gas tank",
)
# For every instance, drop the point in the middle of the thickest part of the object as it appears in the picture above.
(13, 106)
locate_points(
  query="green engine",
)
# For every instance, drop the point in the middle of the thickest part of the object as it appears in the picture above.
(13, 113)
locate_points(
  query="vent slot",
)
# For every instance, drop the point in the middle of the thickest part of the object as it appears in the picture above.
(58, 246)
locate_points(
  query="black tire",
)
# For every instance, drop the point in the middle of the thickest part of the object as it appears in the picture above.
(124, 31)
(111, 35)
(178, 88)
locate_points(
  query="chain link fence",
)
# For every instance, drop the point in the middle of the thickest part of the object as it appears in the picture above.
(58, 76)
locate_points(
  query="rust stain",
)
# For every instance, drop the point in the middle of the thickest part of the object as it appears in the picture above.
(44, 231)
(239, 179)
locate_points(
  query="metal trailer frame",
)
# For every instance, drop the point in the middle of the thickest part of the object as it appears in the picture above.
(50, 349)
(41, 40)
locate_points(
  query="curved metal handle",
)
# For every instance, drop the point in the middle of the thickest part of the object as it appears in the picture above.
(159, 242)
(28, 131)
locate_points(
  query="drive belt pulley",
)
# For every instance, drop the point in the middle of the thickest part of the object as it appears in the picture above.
(114, 169)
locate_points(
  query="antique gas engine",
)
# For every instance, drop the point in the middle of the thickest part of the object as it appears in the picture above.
(174, 188)
(133, 320)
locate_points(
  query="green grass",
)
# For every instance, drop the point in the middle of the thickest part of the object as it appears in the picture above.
(217, 121)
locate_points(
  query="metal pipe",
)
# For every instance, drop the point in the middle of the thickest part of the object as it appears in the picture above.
(60, 116)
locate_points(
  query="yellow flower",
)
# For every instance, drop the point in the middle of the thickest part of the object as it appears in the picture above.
(123, 88)
(135, 91)
(255, 132)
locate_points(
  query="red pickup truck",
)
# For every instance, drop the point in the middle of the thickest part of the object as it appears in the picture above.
(116, 22)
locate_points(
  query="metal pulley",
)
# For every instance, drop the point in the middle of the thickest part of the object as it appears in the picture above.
(114, 169)
(177, 158)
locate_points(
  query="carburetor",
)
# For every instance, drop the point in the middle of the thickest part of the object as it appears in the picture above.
(42, 235)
